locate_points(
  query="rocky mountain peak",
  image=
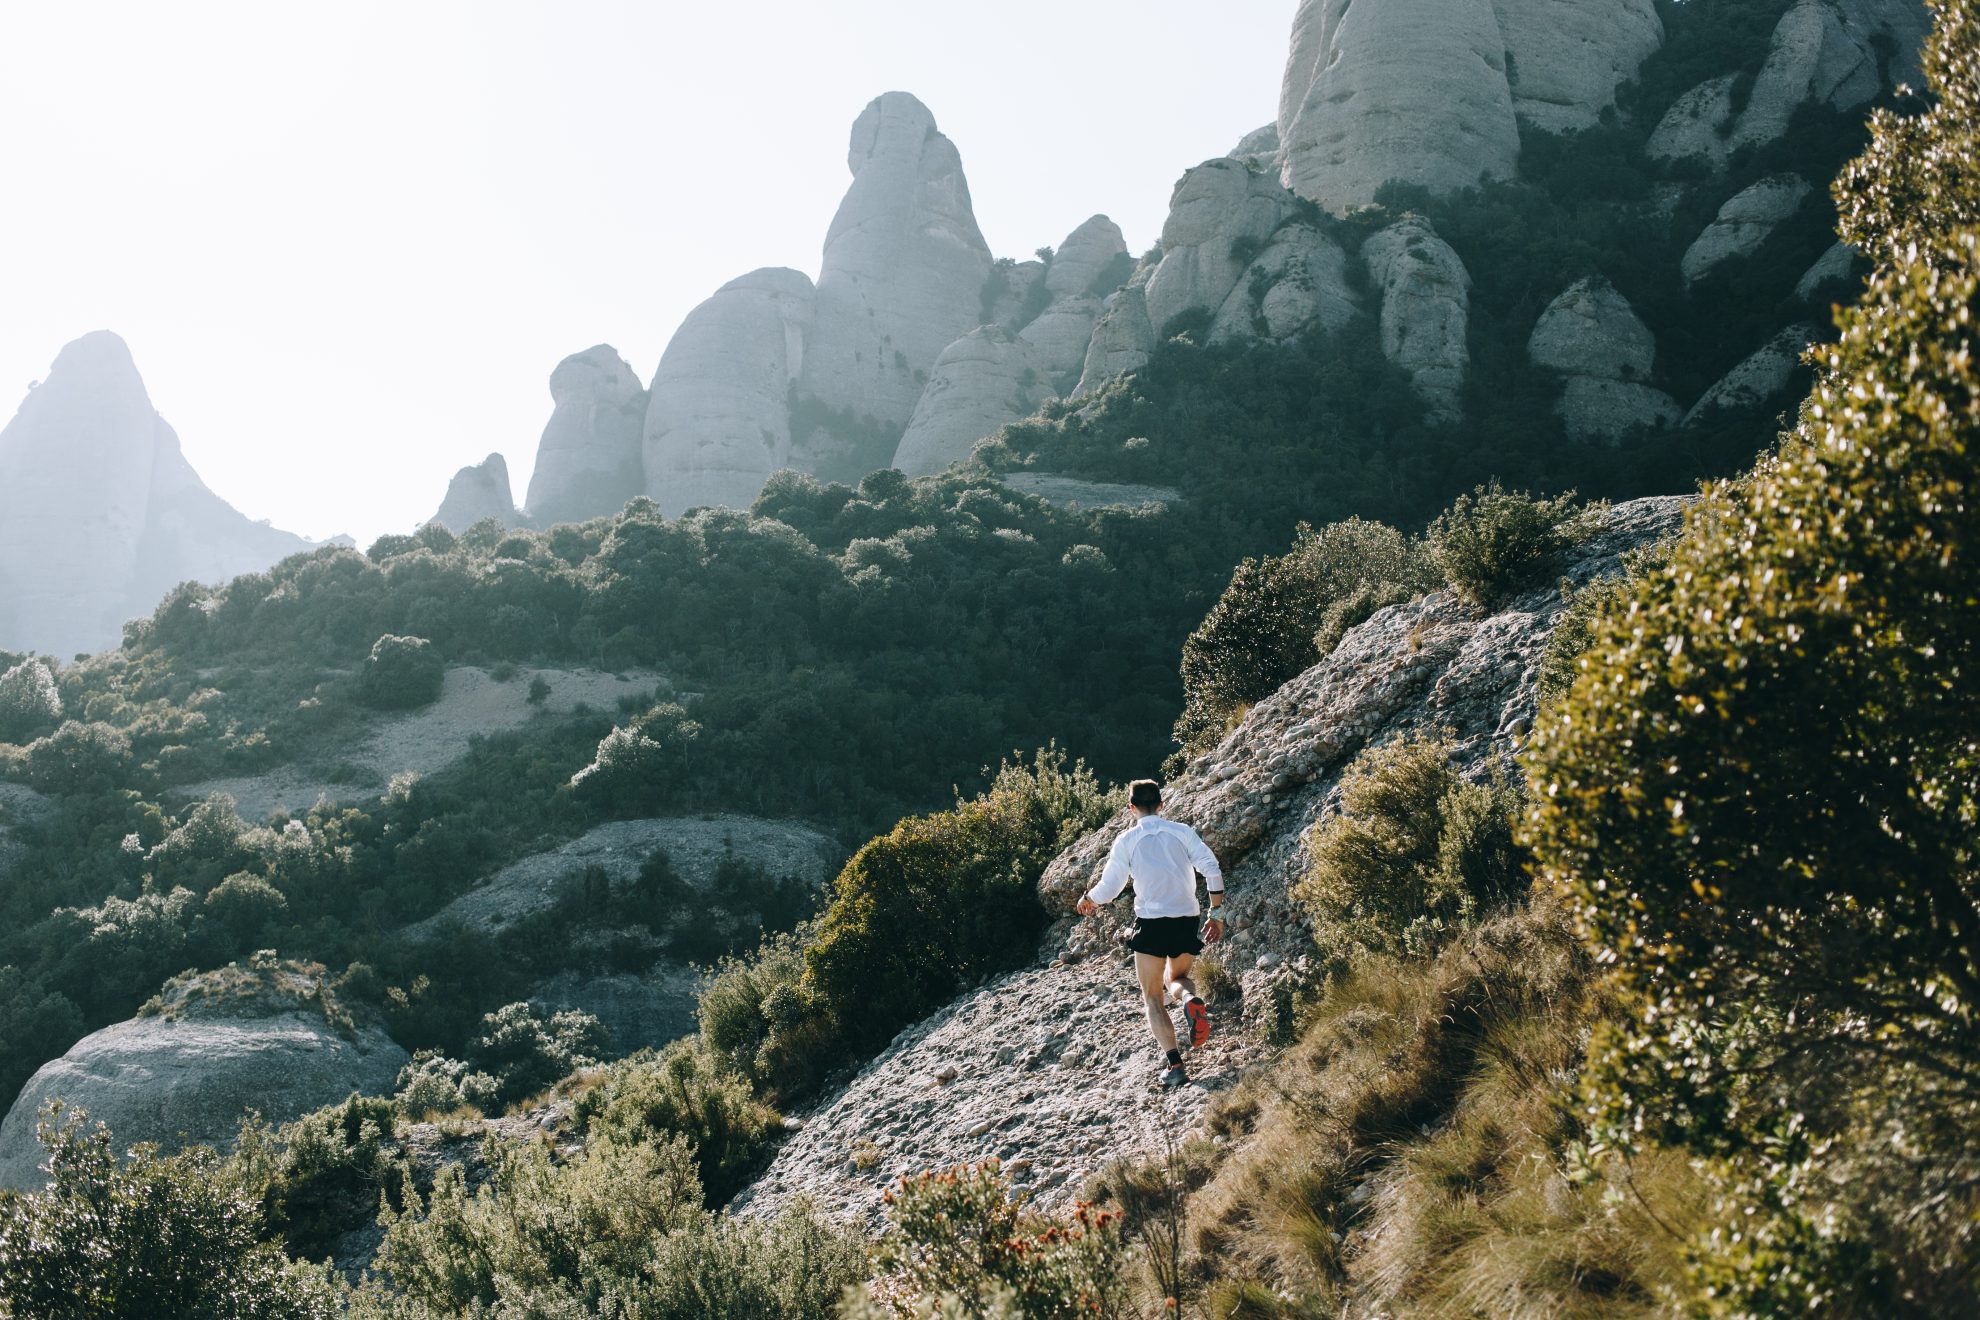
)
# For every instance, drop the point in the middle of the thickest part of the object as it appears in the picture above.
(477, 492)
(588, 461)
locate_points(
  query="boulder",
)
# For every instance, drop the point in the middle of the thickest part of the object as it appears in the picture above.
(1408, 90)
(1744, 223)
(1259, 148)
(588, 461)
(1762, 377)
(1299, 280)
(1566, 58)
(1018, 295)
(1836, 265)
(1426, 310)
(903, 270)
(1220, 216)
(1814, 57)
(983, 380)
(101, 514)
(1060, 336)
(478, 491)
(1123, 338)
(718, 417)
(1699, 123)
(210, 1048)
(1084, 257)
(1593, 337)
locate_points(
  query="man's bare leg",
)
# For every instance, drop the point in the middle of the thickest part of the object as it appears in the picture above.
(1178, 973)
(1155, 996)
(1194, 1010)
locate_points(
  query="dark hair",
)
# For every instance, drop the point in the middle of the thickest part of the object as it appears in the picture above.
(1145, 793)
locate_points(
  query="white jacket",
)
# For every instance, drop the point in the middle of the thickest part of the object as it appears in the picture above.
(1162, 857)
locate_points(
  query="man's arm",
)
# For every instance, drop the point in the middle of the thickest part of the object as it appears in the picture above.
(1113, 879)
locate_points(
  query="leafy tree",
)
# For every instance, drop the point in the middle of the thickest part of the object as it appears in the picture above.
(35, 1024)
(1760, 792)
(29, 702)
(78, 758)
(157, 1236)
(401, 672)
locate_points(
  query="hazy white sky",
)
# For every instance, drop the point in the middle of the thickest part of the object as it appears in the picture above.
(348, 241)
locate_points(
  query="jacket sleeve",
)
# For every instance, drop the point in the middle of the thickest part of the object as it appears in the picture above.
(1114, 878)
(1206, 862)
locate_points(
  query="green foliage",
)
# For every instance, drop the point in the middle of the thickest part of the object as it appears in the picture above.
(78, 758)
(30, 705)
(1759, 796)
(619, 1230)
(1493, 543)
(401, 673)
(636, 763)
(960, 1234)
(684, 1090)
(36, 1023)
(324, 1173)
(1280, 615)
(154, 1236)
(754, 1015)
(1415, 853)
(521, 1050)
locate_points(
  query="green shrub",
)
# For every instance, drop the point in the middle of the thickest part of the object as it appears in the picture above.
(619, 1230)
(1281, 615)
(78, 758)
(401, 673)
(1492, 543)
(29, 702)
(639, 765)
(756, 1019)
(684, 1090)
(1759, 795)
(1415, 853)
(110, 1239)
(962, 1234)
(523, 1051)
(322, 1175)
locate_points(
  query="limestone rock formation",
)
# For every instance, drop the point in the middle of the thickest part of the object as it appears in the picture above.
(1220, 215)
(1761, 377)
(588, 461)
(1426, 310)
(1414, 90)
(1744, 223)
(1834, 266)
(1020, 292)
(1059, 336)
(476, 492)
(209, 1049)
(1086, 254)
(1593, 337)
(1566, 58)
(1050, 1068)
(100, 514)
(1123, 338)
(718, 416)
(1300, 279)
(1259, 148)
(1823, 52)
(903, 270)
(983, 380)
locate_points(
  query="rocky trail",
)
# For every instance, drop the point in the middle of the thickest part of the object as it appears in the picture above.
(1050, 1069)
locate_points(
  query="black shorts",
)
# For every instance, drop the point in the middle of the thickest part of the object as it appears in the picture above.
(1167, 937)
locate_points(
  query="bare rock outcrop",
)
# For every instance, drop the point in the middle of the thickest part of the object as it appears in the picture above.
(1059, 336)
(1744, 223)
(718, 419)
(1596, 341)
(983, 380)
(1835, 266)
(1050, 1068)
(1088, 252)
(478, 491)
(1426, 310)
(1259, 148)
(1220, 215)
(1566, 58)
(208, 1049)
(588, 461)
(1414, 90)
(1763, 376)
(100, 513)
(1123, 337)
(1299, 280)
(903, 270)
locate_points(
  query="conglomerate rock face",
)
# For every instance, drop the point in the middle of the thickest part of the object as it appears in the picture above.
(1433, 92)
(1426, 310)
(1051, 1068)
(718, 419)
(588, 461)
(1744, 223)
(100, 514)
(904, 266)
(477, 492)
(1596, 341)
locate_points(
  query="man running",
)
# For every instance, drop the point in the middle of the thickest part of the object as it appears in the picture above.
(1162, 858)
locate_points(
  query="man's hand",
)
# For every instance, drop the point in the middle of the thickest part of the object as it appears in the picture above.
(1086, 907)
(1214, 930)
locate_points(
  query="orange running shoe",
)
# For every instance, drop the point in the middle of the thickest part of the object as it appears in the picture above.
(1198, 1016)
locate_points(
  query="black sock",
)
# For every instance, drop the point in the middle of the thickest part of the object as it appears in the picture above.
(1175, 1058)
